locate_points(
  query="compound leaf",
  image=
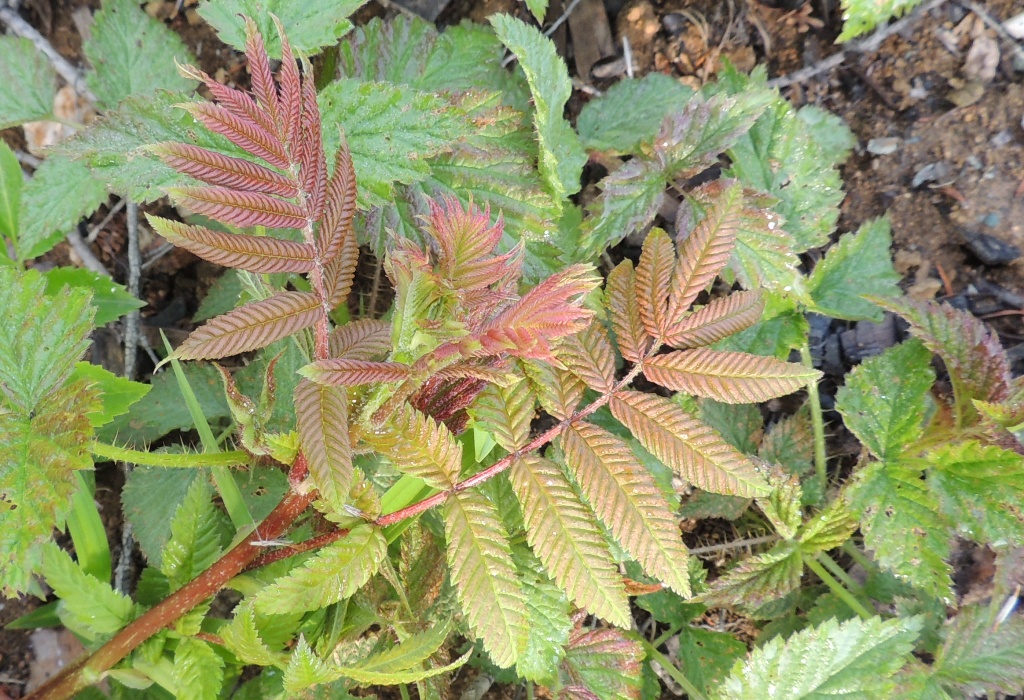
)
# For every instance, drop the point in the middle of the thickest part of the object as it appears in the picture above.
(621, 298)
(630, 197)
(654, 279)
(197, 531)
(420, 446)
(198, 670)
(860, 16)
(758, 579)
(506, 413)
(721, 318)
(242, 638)
(548, 611)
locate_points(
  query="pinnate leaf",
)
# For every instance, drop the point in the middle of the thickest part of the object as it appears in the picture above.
(345, 372)
(604, 663)
(362, 339)
(506, 413)
(28, 80)
(242, 638)
(630, 198)
(689, 447)
(227, 171)
(484, 575)
(558, 390)
(854, 659)
(564, 534)
(623, 494)
(88, 606)
(240, 208)
(621, 298)
(420, 446)
(758, 579)
(198, 670)
(333, 574)
(885, 399)
(730, 377)
(901, 523)
(654, 275)
(721, 318)
(252, 253)
(590, 356)
(252, 326)
(548, 610)
(321, 414)
(858, 264)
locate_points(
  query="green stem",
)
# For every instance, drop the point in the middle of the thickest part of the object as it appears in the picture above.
(235, 458)
(859, 556)
(817, 421)
(529, 690)
(670, 668)
(836, 588)
(838, 571)
(666, 636)
(403, 689)
(86, 529)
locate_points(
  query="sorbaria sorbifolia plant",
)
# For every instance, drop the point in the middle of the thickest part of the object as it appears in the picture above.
(534, 518)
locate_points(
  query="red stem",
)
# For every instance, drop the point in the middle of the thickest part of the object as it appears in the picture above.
(291, 550)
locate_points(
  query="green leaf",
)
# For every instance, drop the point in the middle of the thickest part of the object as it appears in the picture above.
(629, 199)
(547, 610)
(605, 662)
(561, 156)
(60, 194)
(630, 113)
(740, 424)
(111, 300)
(333, 574)
(391, 131)
(132, 53)
(901, 524)
(828, 131)
(778, 156)
(981, 656)
(884, 401)
(858, 264)
(404, 663)
(854, 660)
(117, 394)
(758, 579)
(860, 16)
(88, 606)
(538, 8)
(198, 670)
(198, 533)
(783, 328)
(223, 296)
(163, 409)
(150, 498)
(305, 669)
(309, 26)
(708, 656)
(242, 638)
(981, 489)
(28, 81)
(828, 529)
(11, 182)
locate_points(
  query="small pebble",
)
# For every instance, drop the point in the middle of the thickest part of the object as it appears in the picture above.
(989, 249)
(933, 172)
(973, 161)
(884, 146)
(992, 220)
(1002, 138)
(674, 23)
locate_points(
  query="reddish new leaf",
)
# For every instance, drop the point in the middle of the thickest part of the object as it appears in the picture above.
(240, 208)
(344, 372)
(252, 253)
(730, 377)
(217, 169)
(321, 414)
(312, 164)
(262, 76)
(252, 326)
(336, 233)
(620, 297)
(245, 134)
(363, 339)
(466, 240)
(721, 318)
(706, 250)
(653, 279)
(234, 101)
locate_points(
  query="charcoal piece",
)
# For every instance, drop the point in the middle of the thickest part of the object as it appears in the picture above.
(989, 249)
(831, 357)
(868, 339)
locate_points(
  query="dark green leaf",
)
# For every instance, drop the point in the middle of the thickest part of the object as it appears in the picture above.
(547, 609)
(309, 26)
(708, 656)
(630, 113)
(858, 264)
(111, 300)
(222, 297)
(60, 194)
(980, 655)
(28, 81)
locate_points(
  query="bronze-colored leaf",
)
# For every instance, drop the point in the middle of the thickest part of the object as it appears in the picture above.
(692, 449)
(312, 164)
(558, 390)
(240, 208)
(262, 77)
(321, 414)
(339, 207)
(345, 372)
(590, 356)
(252, 326)
(620, 297)
(420, 446)
(226, 171)
(252, 253)
(363, 339)
(234, 101)
(247, 135)
(653, 279)
(506, 412)
(706, 250)
(730, 377)
(721, 318)
(291, 88)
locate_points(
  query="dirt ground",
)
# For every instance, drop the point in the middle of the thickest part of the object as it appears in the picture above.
(937, 110)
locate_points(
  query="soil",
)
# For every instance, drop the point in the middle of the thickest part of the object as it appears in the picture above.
(943, 98)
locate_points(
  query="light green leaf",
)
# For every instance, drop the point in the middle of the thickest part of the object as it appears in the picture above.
(309, 26)
(111, 299)
(88, 606)
(117, 394)
(150, 498)
(548, 610)
(901, 524)
(198, 670)
(333, 574)
(758, 579)
(828, 131)
(858, 264)
(60, 194)
(561, 156)
(28, 81)
(782, 329)
(242, 638)
(132, 53)
(604, 661)
(305, 669)
(404, 663)
(981, 656)
(979, 488)
(198, 533)
(860, 16)
(538, 8)
(11, 182)
(854, 660)
(630, 113)
(885, 399)
(828, 529)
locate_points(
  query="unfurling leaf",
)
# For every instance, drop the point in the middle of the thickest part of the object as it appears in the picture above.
(730, 377)
(252, 253)
(563, 533)
(692, 449)
(321, 414)
(252, 326)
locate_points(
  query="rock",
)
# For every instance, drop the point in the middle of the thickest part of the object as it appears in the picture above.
(884, 146)
(989, 249)
(933, 172)
(868, 339)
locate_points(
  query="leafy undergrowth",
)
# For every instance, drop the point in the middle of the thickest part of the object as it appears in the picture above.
(492, 472)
